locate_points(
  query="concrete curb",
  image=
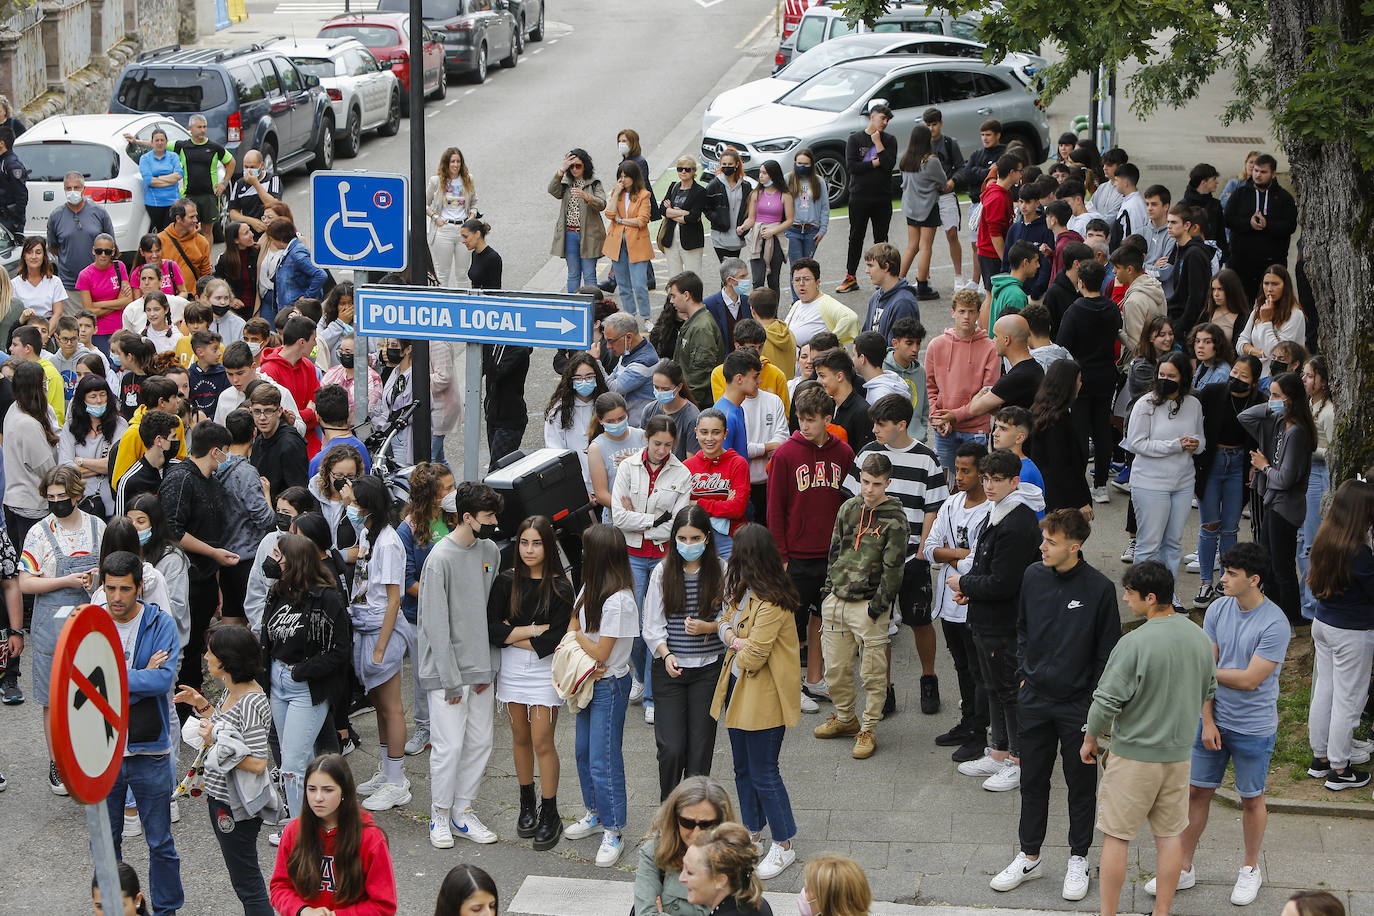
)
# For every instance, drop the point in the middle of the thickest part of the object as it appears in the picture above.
(1230, 799)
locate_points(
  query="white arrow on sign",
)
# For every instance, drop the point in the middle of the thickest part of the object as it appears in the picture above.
(562, 325)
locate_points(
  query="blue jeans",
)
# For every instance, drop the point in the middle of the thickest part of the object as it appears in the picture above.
(946, 446)
(758, 781)
(151, 782)
(436, 450)
(1160, 516)
(1317, 483)
(600, 756)
(801, 243)
(641, 567)
(1220, 505)
(633, 280)
(581, 271)
(298, 720)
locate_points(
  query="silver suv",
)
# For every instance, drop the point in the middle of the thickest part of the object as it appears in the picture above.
(823, 22)
(822, 112)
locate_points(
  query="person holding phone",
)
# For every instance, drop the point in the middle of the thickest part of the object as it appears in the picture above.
(579, 234)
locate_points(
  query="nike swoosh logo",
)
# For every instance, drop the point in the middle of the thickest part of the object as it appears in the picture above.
(1075, 604)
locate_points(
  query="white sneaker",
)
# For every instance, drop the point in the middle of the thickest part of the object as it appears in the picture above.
(418, 742)
(1194, 565)
(609, 852)
(648, 713)
(1190, 558)
(817, 691)
(959, 282)
(1100, 495)
(1186, 879)
(1128, 555)
(778, 858)
(636, 689)
(372, 783)
(1247, 886)
(1076, 879)
(585, 827)
(808, 704)
(1360, 751)
(1004, 781)
(176, 812)
(440, 837)
(983, 766)
(388, 796)
(1021, 870)
(133, 825)
(274, 839)
(469, 827)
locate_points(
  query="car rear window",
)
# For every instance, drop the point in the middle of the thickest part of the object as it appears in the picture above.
(323, 67)
(810, 33)
(172, 89)
(51, 160)
(373, 36)
(429, 9)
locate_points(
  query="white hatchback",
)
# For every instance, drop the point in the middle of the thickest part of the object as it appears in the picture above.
(93, 145)
(364, 94)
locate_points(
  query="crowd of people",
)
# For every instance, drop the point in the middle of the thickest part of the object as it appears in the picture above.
(772, 492)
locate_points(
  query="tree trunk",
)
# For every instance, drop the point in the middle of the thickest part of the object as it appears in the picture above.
(1336, 217)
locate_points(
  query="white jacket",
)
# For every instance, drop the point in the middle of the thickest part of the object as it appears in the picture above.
(765, 421)
(671, 492)
(955, 526)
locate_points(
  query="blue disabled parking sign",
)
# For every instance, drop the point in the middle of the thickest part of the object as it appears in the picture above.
(361, 220)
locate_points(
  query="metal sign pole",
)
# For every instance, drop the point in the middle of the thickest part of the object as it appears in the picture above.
(419, 259)
(103, 853)
(472, 413)
(362, 356)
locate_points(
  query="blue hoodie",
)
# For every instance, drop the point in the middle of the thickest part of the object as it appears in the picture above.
(157, 631)
(1037, 233)
(884, 308)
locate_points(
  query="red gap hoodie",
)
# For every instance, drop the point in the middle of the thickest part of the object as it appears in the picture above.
(302, 380)
(379, 884)
(721, 485)
(805, 492)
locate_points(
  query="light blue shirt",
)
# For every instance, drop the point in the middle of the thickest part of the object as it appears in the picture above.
(1239, 636)
(150, 167)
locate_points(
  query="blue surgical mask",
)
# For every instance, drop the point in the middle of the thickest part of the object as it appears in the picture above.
(691, 552)
(584, 387)
(1276, 406)
(355, 515)
(665, 398)
(114, 361)
(766, 181)
(721, 525)
(95, 410)
(145, 535)
(616, 430)
(743, 287)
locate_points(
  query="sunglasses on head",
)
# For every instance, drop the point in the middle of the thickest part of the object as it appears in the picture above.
(687, 823)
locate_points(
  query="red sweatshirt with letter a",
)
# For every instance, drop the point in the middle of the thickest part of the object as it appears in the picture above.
(721, 485)
(805, 492)
(379, 885)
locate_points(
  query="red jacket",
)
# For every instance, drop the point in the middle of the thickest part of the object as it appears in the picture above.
(302, 380)
(379, 887)
(805, 492)
(1062, 241)
(721, 487)
(994, 219)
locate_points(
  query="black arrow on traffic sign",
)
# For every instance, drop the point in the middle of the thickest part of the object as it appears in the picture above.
(96, 680)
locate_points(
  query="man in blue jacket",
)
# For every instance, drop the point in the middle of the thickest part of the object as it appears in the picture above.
(731, 304)
(633, 375)
(151, 654)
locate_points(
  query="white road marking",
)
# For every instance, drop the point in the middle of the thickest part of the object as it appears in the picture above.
(537, 51)
(450, 103)
(470, 91)
(707, 4)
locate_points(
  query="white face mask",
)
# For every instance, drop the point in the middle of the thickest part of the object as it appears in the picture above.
(74, 197)
(624, 149)
(450, 502)
(251, 173)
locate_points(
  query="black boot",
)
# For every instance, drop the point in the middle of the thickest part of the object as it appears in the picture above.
(525, 825)
(550, 825)
(924, 292)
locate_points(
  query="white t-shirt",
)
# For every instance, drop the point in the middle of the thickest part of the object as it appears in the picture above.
(128, 637)
(619, 618)
(384, 565)
(38, 557)
(805, 320)
(40, 298)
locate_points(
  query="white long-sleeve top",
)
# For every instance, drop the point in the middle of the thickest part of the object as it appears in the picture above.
(1153, 435)
(1264, 335)
(765, 421)
(655, 629)
(956, 525)
(574, 438)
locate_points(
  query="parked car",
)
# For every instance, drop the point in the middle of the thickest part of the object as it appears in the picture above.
(822, 112)
(252, 98)
(852, 47)
(387, 36)
(529, 18)
(473, 32)
(823, 22)
(364, 94)
(93, 145)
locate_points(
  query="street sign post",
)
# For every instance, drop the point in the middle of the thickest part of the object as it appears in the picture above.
(360, 220)
(89, 720)
(475, 317)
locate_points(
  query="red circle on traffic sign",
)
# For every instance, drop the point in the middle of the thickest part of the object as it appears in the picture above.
(89, 712)
(382, 199)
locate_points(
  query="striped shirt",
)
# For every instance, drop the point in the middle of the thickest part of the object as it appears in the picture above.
(917, 481)
(680, 642)
(252, 716)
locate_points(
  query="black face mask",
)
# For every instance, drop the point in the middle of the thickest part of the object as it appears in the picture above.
(1277, 367)
(173, 446)
(1238, 386)
(346, 360)
(271, 568)
(62, 507)
(1167, 386)
(220, 309)
(283, 522)
(728, 169)
(486, 532)
(393, 355)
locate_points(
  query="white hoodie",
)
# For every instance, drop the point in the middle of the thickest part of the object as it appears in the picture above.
(885, 383)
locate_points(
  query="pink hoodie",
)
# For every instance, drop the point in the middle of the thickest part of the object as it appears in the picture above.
(957, 369)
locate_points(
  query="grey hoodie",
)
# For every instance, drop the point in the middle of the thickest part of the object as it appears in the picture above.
(454, 648)
(248, 513)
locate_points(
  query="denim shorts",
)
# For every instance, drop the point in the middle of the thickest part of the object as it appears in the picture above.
(1249, 753)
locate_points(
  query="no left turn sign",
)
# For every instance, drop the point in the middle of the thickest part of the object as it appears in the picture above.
(90, 703)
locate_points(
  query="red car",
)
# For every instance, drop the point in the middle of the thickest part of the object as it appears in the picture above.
(387, 36)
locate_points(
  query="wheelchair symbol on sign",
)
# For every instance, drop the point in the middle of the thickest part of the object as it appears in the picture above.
(356, 219)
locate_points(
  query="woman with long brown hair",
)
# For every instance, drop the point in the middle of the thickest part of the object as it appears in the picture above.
(1227, 306)
(760, 634)
(1277, 316)
(923, 181)
(527, 616)
(627, 239)
(425, 520)
(721, 871)
(1341, 576)
(696, 805)
(450, 199)
(1316, 380)
(333, 856)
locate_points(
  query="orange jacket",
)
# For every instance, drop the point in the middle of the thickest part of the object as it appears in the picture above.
(635, 235)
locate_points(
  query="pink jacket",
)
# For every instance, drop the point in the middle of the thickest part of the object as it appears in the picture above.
(957, 369)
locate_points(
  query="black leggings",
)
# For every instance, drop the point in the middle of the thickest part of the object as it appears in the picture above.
(1092, 415)
(862, 211)
(1282, 538)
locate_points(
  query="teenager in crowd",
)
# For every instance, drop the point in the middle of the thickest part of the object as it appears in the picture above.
(770, 216)
(1058, 445)
(93, 428)
(133, 901)
(720, 479)
(424, 522)
(1276, 316)
(1155, 342)
(1316, 382)
(673, 400)
(527, 616)
(610, 439)
(1212, 354)
(569, 413)
(695, 805)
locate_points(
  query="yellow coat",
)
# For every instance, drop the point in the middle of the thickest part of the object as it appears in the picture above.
(768, 692)
(770, 379)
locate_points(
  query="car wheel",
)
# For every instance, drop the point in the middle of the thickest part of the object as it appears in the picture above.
(269, 156)
(830, 166)
(538, 33)
(352, 138)
(393, 117)
(479, 74)
(514, 58)
(440, 90)
(1028, 140)
(324, 149)
(520, 36)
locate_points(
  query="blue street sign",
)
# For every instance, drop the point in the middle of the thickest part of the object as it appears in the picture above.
(475, 316)
(361, 220)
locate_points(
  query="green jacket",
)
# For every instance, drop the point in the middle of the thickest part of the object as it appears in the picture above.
(1151, 693)
(1006, 291)
(699, 350)
(868, 554)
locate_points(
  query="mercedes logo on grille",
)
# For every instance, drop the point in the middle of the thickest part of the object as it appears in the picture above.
(721, 147)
